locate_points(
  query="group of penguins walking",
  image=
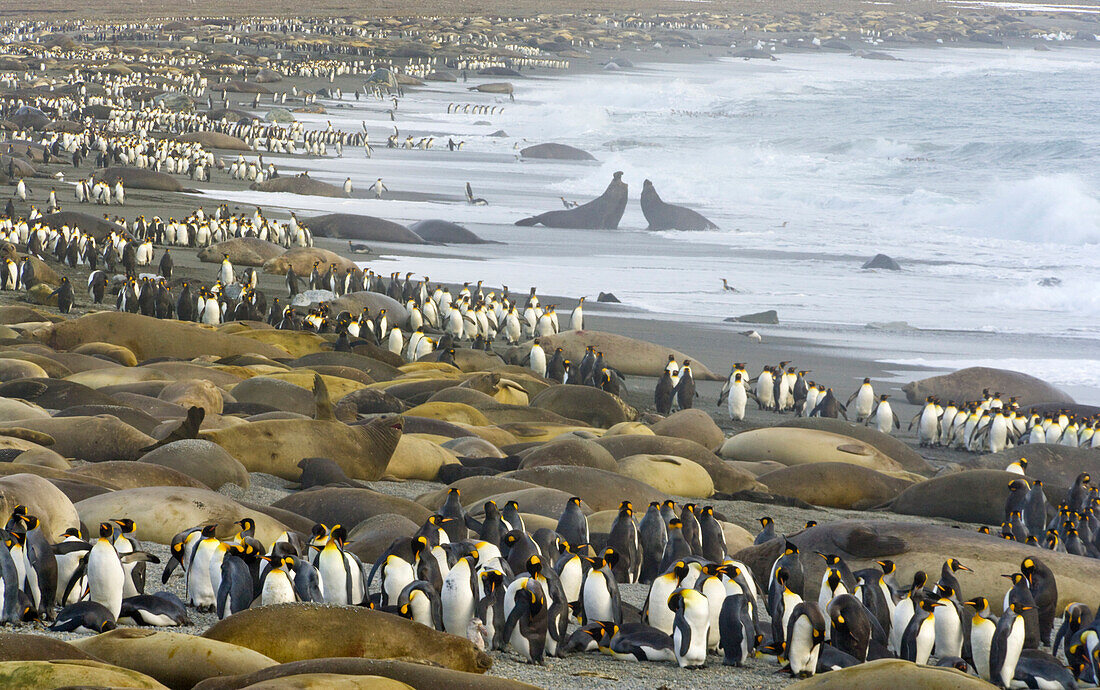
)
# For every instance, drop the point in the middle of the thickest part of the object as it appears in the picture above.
(991, 425)
(506, 588)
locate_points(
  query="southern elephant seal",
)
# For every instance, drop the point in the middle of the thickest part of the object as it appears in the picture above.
(629, 356)
(897, 673)
(294, 632)
(161, 512)
(968, 384)
(793, 446)
(903, 454)
(177, 660)
(43, 499)
(299, 184)
(445, 232)
(149, 338)
(585, 404)
(602, 213)
(347, 226)
(60, 673)
(665, 216)
(241, 251)
(276, 446)
(834, 485)
(416, 675)
(203, 460)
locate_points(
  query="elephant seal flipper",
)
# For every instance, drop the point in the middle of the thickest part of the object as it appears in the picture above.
(665, 216)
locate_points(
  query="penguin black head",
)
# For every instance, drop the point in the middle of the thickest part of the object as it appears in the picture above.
(626, 508)
(675, 599)
(575, 501)
(810, 523)
(956, 566)
(675, 523)
(984, 529)
(534, 565)
(790, 549)
(782, 575)
(610, 557)
(929, 605)
(106, 529)
(1016, 577)
(208, 531)
(765, 521)
(887, 566)
(126, 525)
(680, 570)
(978, 603)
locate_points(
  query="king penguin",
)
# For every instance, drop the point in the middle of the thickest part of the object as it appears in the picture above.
(689, 628)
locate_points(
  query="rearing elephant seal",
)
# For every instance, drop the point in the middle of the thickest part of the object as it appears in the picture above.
(664, 216)
(602, 213)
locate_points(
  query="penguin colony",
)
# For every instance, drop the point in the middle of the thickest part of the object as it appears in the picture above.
(535, 593)
(505, 587)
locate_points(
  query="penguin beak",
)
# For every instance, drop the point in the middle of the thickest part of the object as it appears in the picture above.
(963, 567)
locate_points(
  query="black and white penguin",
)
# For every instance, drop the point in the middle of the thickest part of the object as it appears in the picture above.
(676, 548)
(106, 577)
(1044, 589)
(652, 536)
(767, 531)
(685, 387)
(850, 626)
(525, 627)
(949, 624)
(459, 595)
(623, 538)
(691, 529)
(573, 524)
(636, 642)
(65, 297)
(804, 638)
(690, 627)
(713, 537)
(236, 589)
(1021, 596)
(599, 592)
(982, 627)
(664, 392)
(1007, 644)
(654, 613)
(162, 609)
(791, 562)
(84, 616)
(919, 637)
(905, 610)
(736, 630)
(781, 605)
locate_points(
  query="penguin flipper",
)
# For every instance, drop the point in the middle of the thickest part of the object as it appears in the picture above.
(897, 423)
(914, 419)
(78, 573)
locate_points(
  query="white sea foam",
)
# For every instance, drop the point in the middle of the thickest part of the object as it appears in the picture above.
(974, 168)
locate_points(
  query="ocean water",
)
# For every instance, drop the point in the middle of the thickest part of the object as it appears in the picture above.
(976, 169)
